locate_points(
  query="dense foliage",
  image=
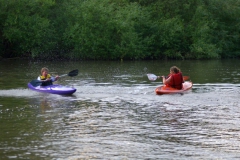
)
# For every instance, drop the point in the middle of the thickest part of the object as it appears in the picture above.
(120, 29)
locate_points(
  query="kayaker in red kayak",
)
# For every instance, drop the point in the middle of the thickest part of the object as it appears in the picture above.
(174, 79)
(46, 78)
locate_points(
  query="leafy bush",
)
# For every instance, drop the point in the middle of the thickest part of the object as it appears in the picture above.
(120, 29)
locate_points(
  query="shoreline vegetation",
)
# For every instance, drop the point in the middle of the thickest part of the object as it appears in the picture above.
(120, 29)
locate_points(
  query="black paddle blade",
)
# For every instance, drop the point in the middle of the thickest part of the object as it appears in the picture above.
(73, 73)
(36, 83)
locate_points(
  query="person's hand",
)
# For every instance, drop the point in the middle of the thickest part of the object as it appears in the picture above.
(57, 77)
(160, 76)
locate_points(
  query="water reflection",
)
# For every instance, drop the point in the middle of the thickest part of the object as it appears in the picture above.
(115, 113)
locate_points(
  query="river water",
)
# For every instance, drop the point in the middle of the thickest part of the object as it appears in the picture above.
(115, 113)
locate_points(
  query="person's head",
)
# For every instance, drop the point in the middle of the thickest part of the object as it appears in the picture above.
(174, 69)
(44, 71)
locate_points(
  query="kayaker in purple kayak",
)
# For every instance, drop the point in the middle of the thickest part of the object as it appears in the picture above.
(44, 83)
(46, 78)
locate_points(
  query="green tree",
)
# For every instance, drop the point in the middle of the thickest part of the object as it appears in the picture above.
(105, 30)
(25, 26)
(120, 29)
(227, 31)
(202, 30)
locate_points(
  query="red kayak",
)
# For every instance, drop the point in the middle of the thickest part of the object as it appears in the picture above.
(169, 90)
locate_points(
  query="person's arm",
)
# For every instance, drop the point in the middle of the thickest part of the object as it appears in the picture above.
(54, 78)
(166, 80)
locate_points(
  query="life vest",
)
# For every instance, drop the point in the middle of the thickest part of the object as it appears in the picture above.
(176, 81)
(44, 78)
(47, 82)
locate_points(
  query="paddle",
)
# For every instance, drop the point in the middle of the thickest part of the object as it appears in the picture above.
(36, 82)
(153, 77)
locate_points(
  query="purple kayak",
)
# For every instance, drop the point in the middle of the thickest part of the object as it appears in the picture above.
(54, 89)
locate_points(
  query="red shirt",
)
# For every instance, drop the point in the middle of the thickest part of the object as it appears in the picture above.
(176, 81)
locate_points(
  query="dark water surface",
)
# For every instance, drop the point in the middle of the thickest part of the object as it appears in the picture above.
(115, 113)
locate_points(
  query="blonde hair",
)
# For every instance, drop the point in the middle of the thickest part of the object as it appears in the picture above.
(44, 69)
(175, 69)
